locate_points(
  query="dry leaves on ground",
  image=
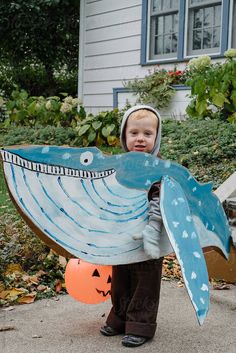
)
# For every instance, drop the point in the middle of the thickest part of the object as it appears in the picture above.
(23, 288)
(171, 267)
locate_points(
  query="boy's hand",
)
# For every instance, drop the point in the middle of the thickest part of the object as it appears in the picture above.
(151, 240)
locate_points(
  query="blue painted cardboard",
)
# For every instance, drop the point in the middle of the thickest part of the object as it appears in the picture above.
(90, 205)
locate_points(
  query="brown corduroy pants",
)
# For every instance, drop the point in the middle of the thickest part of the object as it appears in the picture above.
(135, 296)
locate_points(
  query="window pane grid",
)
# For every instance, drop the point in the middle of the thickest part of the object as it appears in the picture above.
(166, 34)
(206, 26)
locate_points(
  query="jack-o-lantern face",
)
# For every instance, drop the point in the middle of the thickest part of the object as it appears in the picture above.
(87, 282)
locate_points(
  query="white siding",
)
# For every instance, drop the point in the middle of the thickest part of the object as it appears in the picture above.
(107, 6)
(176, 108)
(110, 49)
(122, 45)
(101, 34)
(112, 13)
(111, 32)
(113, 60)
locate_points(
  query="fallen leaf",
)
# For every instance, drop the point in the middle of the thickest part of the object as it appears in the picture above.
(12, 293)
(7, 328)
(58, 286)
(2, 287)
(51, 254)
(31, 279)
(12, 268)
(42, 288)
(180, 284)
(56, 299)
(62, 261)
(40, 273)
(9, 308)
(27, 299)
(3, 294)
(222, 286)
(16, 292)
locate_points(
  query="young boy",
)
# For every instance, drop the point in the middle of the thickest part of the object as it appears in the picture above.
(136, 287)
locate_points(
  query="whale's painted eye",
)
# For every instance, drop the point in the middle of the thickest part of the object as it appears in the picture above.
(86, 158)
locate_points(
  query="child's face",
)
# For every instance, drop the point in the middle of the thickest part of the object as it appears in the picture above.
(140, 134)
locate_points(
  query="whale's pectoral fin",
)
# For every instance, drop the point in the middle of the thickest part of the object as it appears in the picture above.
(185, 242)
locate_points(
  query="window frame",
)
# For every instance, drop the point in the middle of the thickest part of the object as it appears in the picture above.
(226, 34)
(189, 34)
(232, 24)
(151, 42)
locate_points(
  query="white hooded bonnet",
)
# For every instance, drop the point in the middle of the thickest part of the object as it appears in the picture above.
(156, 147)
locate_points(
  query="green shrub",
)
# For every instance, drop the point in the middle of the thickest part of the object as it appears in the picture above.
(206, 147)
(99, 130)
(213, 87)
(156, 88)
(48, 135)
(25, 110)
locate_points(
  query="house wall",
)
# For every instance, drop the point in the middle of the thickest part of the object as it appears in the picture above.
(110, 52)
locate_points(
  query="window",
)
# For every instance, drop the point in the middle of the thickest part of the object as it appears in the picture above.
(177, 29)
(164, 28)
(204, 27)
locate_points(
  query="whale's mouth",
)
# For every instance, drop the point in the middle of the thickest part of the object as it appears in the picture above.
(50, 169)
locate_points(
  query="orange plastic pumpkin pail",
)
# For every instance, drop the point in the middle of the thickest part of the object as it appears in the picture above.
(88, 283)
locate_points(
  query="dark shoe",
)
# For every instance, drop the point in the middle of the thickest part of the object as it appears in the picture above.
(108, 331)
(133, 341)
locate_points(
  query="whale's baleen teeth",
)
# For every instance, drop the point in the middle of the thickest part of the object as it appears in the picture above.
(53, 169)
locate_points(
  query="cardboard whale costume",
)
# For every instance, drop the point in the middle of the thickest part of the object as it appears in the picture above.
(87, 205)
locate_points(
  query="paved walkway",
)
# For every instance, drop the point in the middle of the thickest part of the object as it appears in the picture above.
(65, 325)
